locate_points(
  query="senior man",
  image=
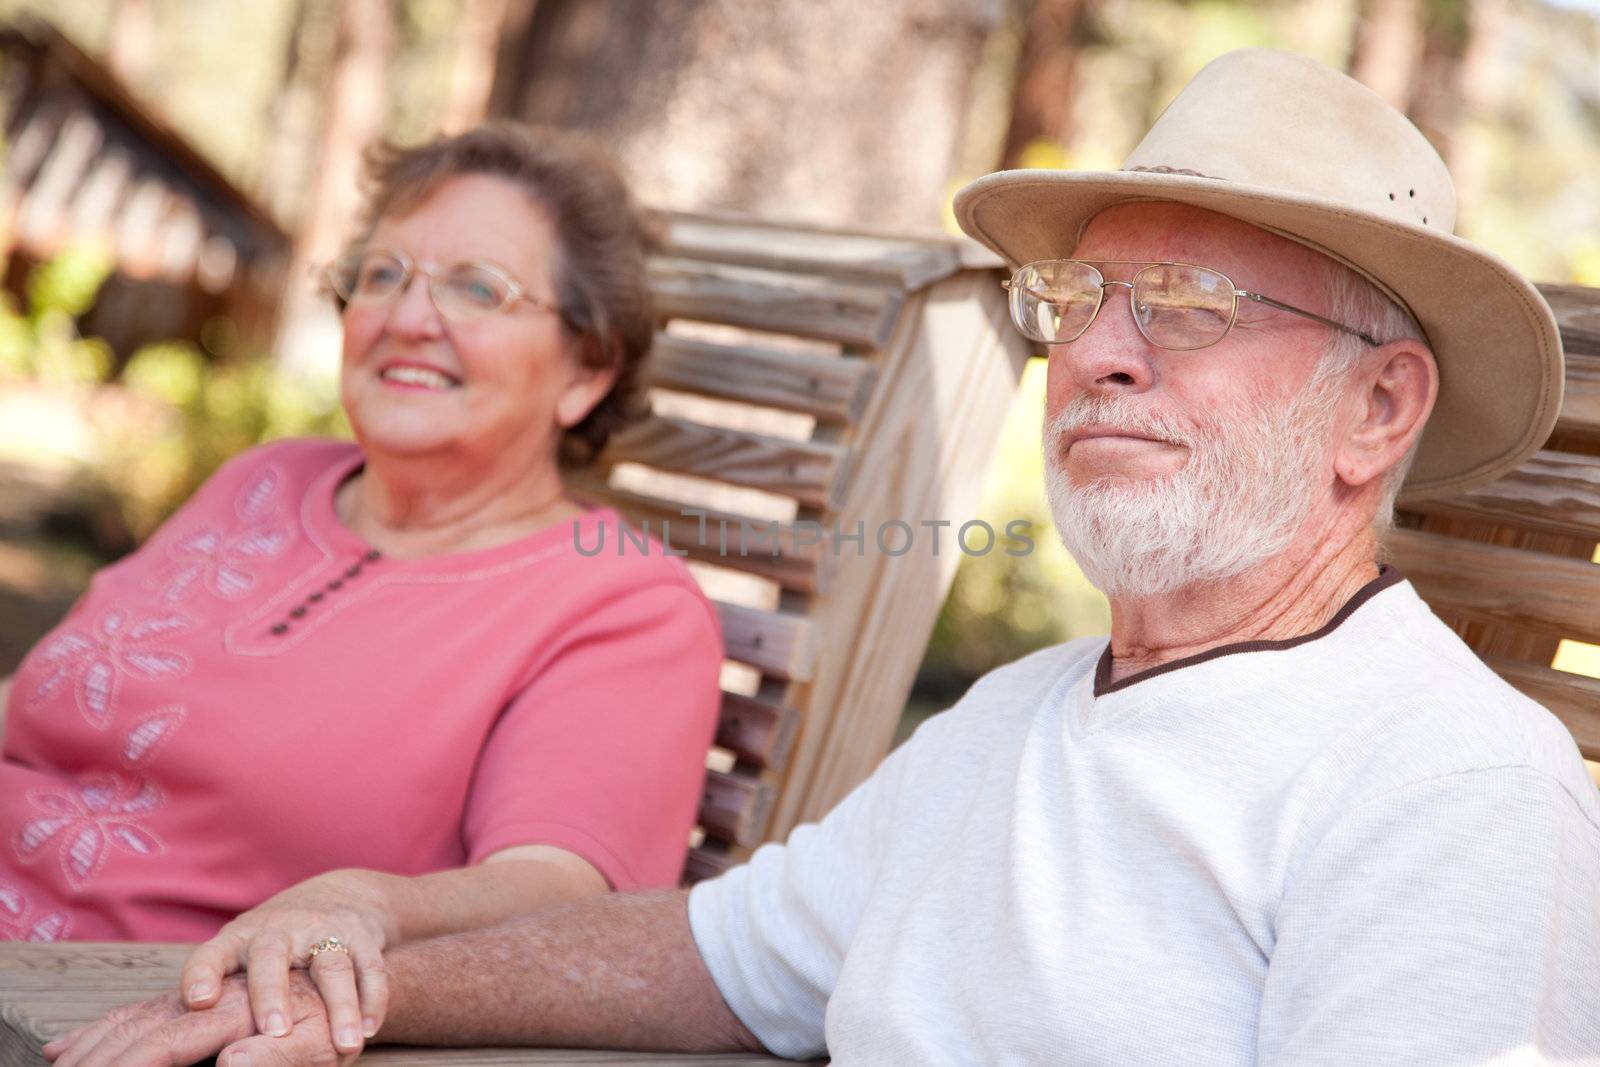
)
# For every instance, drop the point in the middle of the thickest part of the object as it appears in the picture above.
(1283, 815)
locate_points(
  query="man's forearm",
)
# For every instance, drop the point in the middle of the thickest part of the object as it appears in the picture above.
(614, 971)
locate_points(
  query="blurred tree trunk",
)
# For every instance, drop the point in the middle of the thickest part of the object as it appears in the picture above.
(1388, 48)
(355, 113)
(828, 111)
(472, 68)
(1047, 78)
(1481, 87)
(293, 113)
(1443, 84)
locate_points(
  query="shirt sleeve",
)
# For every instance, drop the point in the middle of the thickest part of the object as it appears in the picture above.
(1451, 921)
(774, 932)
(604, 752)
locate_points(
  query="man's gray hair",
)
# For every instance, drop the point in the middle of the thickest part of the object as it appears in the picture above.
(1358, 303)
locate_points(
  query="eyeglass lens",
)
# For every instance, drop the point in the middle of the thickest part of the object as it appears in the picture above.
(460, 291)
(1175, 305)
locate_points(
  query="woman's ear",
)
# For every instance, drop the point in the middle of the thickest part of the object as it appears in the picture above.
(587, 387)
(1399, 383)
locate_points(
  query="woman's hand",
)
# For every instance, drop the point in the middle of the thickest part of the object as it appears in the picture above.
(345, 916)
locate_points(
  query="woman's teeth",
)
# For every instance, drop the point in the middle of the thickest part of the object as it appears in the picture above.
(418, 376)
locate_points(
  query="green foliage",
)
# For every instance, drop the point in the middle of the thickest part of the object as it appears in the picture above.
(209, 413)
(148, 439)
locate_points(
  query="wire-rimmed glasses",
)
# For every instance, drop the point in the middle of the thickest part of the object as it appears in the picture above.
(1177, 306)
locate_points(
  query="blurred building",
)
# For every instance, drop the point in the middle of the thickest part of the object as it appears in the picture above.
(85, 163)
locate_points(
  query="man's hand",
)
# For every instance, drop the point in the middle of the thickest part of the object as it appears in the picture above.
(162, 1033)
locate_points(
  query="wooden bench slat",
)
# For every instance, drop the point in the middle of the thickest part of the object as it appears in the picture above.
(809, 471)
(1580, 407)
(782, 645)
(758, 733)
(734, 807)
(1574, 699)
(706, 861)
(733, 541)
(831, 388)
(1553, 492)
(907, 263)
(1577, 312)
(775, 301)
(1547, 594)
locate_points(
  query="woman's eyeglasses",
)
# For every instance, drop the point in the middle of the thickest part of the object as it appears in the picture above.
(462, 292)
(1177, 306)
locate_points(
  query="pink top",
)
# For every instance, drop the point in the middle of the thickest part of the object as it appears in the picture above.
(255, 697)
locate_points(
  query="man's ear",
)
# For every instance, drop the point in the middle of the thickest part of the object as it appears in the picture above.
(1399, 382)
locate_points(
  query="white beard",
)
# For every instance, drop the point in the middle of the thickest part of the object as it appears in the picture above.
(1251, 478)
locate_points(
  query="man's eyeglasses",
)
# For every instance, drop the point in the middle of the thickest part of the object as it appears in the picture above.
(462, 292)
(1177, 306)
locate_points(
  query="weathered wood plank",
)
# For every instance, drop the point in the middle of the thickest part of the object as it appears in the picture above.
(908, 263)
(831, 388)
(781, 645)
(734, 807)
(775, 301)
(729, 540)
(1547, 594)
(707, 861)
(1574, 699)
(1579, 423)
(1577, 310)
(1553, 492)
(810, 471)
(48, 989)
(759, 733)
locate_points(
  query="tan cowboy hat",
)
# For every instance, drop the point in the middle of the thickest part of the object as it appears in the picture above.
(1282, 142)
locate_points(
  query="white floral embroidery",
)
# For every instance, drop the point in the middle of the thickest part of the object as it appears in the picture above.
(223, 560)
(85, 821)
(19, 923)
(141, 741)
(93, 663)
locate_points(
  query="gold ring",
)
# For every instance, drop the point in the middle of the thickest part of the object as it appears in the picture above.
(329, 944)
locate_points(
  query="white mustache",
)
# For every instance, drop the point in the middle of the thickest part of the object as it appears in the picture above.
(1087, 410)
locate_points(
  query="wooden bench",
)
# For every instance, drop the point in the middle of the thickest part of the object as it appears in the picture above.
(801, 377)
(1510, 565)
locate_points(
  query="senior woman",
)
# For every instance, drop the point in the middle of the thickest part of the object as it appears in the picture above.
(376, 686)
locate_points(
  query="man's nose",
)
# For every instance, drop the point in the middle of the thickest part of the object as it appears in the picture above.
(1111, 355)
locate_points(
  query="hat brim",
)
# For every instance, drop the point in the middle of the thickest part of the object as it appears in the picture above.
(1494, 338)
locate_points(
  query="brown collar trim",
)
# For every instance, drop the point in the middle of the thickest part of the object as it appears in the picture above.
(1387, 576)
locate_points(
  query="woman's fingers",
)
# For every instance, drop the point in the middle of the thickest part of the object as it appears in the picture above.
(267, 966)
(372, 982)
(307, 1046)
(334, 972)
(201, 979)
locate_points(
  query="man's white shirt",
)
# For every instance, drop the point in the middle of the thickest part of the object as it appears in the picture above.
(1359, 847)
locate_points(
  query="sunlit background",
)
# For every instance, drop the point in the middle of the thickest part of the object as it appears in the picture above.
(141, 343)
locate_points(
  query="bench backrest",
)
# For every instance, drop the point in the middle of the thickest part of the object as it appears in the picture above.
(845, 387)
(1511, 566)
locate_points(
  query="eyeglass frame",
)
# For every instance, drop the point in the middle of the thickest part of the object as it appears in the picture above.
(1143, 265)
(410, 270)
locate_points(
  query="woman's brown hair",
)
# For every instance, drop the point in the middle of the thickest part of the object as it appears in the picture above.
(602, 237)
